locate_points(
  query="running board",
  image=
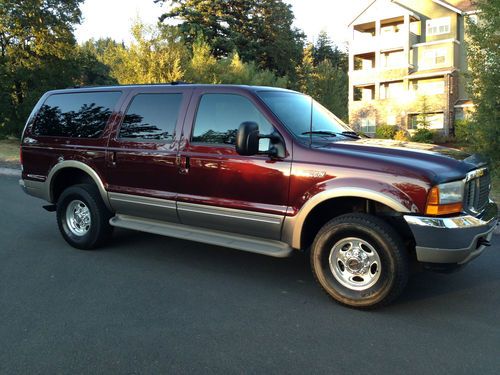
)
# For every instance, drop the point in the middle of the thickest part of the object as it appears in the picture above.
(272, 248)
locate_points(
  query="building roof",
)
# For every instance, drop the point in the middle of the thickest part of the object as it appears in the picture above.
(459, 6)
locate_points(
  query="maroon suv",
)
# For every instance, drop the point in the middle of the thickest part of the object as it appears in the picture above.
(258, 169)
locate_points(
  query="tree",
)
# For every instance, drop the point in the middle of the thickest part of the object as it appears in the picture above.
(484, 64)
(258, 30)
(306, 72)
(37, 53)
(156, 55)
(324, 49)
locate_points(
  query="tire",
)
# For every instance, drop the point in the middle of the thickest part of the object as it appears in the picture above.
(360, 261)
(82, 217)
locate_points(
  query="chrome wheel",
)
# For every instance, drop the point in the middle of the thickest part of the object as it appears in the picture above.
(78, 218)
(355, 263)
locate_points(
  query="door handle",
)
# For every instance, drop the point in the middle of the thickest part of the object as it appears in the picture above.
(113, 159)
(183, 162)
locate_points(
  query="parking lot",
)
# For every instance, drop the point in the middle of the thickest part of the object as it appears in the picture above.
(150, 304)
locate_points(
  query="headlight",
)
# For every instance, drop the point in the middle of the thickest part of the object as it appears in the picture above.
(445, 198)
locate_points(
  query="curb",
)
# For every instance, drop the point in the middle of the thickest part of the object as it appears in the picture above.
(10, 172)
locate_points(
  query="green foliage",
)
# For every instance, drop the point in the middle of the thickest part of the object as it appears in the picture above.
(38, 53)
(423, 135)
(326, 83)
(484, 64)
(463, 132)
(258, 30)
(324, 49)
(221, 41)
(423, 116)
(401, 135)
(386, 131)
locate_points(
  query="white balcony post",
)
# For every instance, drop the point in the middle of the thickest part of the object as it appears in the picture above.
(406, 34)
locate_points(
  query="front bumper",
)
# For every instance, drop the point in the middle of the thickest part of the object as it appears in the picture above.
(455, 240)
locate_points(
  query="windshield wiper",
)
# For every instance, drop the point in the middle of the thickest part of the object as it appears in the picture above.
(321, 132)
(351, 134)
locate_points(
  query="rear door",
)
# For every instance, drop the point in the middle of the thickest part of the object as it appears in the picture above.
(142, 151)
(220, 189)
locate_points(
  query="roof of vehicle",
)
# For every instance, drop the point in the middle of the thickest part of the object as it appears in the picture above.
(169, 85)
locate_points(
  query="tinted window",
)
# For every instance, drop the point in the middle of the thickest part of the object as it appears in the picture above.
(301, 114)
(220, 115)
(151, 117)
(79, 115)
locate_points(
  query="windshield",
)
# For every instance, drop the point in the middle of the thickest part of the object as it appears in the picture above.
(302, 115)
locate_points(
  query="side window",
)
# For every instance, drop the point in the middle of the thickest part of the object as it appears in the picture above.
(220, 115)
(77, 115)
(151, 117)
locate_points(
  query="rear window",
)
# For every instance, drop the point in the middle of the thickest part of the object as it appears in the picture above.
(76, 115)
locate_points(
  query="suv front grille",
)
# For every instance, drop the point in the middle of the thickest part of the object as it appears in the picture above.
(477, 191)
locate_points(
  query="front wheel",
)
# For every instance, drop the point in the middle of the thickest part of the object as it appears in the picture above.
(82, 217)
(360, 261)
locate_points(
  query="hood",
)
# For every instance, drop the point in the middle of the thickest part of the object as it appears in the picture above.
(438, 163)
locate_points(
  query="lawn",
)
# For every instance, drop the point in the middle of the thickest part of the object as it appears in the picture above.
(9, 150)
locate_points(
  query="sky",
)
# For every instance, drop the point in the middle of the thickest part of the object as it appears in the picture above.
(113, 18)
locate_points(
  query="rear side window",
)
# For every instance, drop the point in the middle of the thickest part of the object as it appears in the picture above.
(76, 115)
(220, 115)
(151, 117)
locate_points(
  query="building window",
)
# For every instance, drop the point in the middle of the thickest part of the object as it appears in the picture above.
(391, 90)
(438, 26)
(367, 125)
(436, 56)
(434, 86)
(433, 120)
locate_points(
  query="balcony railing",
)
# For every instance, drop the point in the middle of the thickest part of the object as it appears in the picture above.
(368, 43)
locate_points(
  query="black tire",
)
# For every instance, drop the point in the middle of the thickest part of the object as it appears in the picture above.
(387, 272)
(98, 229)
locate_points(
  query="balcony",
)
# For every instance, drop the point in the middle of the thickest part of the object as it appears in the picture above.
(363, 77)
(365, 42)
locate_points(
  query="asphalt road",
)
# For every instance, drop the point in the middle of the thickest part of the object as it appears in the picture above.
(149, 304)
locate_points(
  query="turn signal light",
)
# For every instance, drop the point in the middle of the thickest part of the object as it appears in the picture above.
(434, 208)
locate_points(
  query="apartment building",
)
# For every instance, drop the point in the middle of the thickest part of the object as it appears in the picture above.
(405, 58)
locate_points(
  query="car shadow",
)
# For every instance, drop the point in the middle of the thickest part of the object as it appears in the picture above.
(294, 271)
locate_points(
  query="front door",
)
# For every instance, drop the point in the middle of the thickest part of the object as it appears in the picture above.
(142, 153)
(220, 189)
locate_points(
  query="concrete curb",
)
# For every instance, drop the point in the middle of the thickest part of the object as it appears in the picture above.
(10, 172)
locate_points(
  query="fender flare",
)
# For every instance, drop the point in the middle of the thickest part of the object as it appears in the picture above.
(75, 165)
(292, 226)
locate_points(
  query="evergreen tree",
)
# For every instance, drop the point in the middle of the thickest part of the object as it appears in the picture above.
(484, 65)
(259, 30)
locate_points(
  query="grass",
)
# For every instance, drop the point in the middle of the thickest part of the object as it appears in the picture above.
(9, 150)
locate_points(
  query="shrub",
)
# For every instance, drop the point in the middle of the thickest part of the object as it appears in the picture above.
(386, 131)
(402, 135)
(423, 135)
(463, 132)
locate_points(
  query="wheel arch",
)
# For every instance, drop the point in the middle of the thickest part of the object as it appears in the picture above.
(78, 172)
(294, 227)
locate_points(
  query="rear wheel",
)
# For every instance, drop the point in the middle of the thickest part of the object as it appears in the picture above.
(360, 261)
(82, 217)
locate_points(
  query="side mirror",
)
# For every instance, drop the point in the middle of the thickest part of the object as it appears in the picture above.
(247, 139)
